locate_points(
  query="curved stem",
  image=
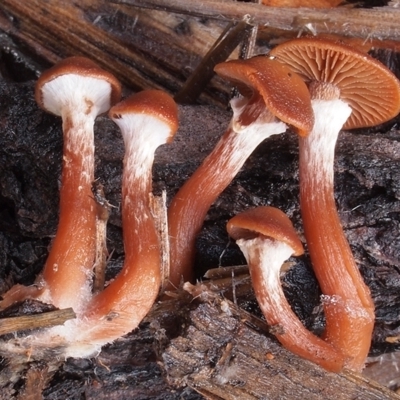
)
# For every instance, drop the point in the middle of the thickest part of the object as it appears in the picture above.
(265, 258)
(122, 305)
(348, 305)
(190, 205)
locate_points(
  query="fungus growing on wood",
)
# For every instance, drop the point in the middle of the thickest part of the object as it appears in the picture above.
(349, 89)
(147, 120)
(272, 97)
(77, 90)
(267, 239)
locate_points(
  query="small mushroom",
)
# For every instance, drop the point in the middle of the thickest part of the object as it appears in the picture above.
(147, 120)
(349, 89)
(267, 239)
(272, 98)
(77, 90)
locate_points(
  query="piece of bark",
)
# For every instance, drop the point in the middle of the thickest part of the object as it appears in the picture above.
(158, 205)
(35, 381)
(103, 208)
(225, 353)
(335, 21)
(385, 369)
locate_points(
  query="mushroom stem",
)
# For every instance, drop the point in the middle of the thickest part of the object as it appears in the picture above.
(369, 94)
(265, 258)
(65, 281)
(348, 305)
(74, 243)
(190, 205)
(77, 90)
(121, 306)
(147, 120)
(273, 96)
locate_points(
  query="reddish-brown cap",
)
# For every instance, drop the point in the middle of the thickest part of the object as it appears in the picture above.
(77, 66)
(155, 103)
(285, 94)
(370, 89)
(265, 221)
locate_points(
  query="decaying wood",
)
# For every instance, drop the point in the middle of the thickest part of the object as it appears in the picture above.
(66, 31)
(35, 381)
(377, 369)
(125, 42)
(158, 44)
(380, 23)
(103, 208)
(159, 210)
(226, 353)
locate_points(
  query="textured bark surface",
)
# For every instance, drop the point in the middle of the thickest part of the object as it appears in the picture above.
(226, 353)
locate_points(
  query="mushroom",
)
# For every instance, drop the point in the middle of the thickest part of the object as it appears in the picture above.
(146, 120)
(78, 90)
(267, 239)
(272, 97)
(349, 89)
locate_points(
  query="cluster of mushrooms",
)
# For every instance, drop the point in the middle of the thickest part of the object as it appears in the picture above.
(313, 86)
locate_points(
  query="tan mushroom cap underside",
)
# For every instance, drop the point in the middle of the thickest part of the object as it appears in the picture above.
(266, 221)
(78, 66)
(284, 93)
(370, 89)
(151, 102)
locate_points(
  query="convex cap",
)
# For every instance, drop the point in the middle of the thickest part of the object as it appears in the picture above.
(370, 89)
(153, 103)
(78, 66)
(284, 93)
(265, 221)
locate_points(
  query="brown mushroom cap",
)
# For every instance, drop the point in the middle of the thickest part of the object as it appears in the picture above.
(150, 102)
(284, 93)
(77, 66)
(370, 89)
(265, 221)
